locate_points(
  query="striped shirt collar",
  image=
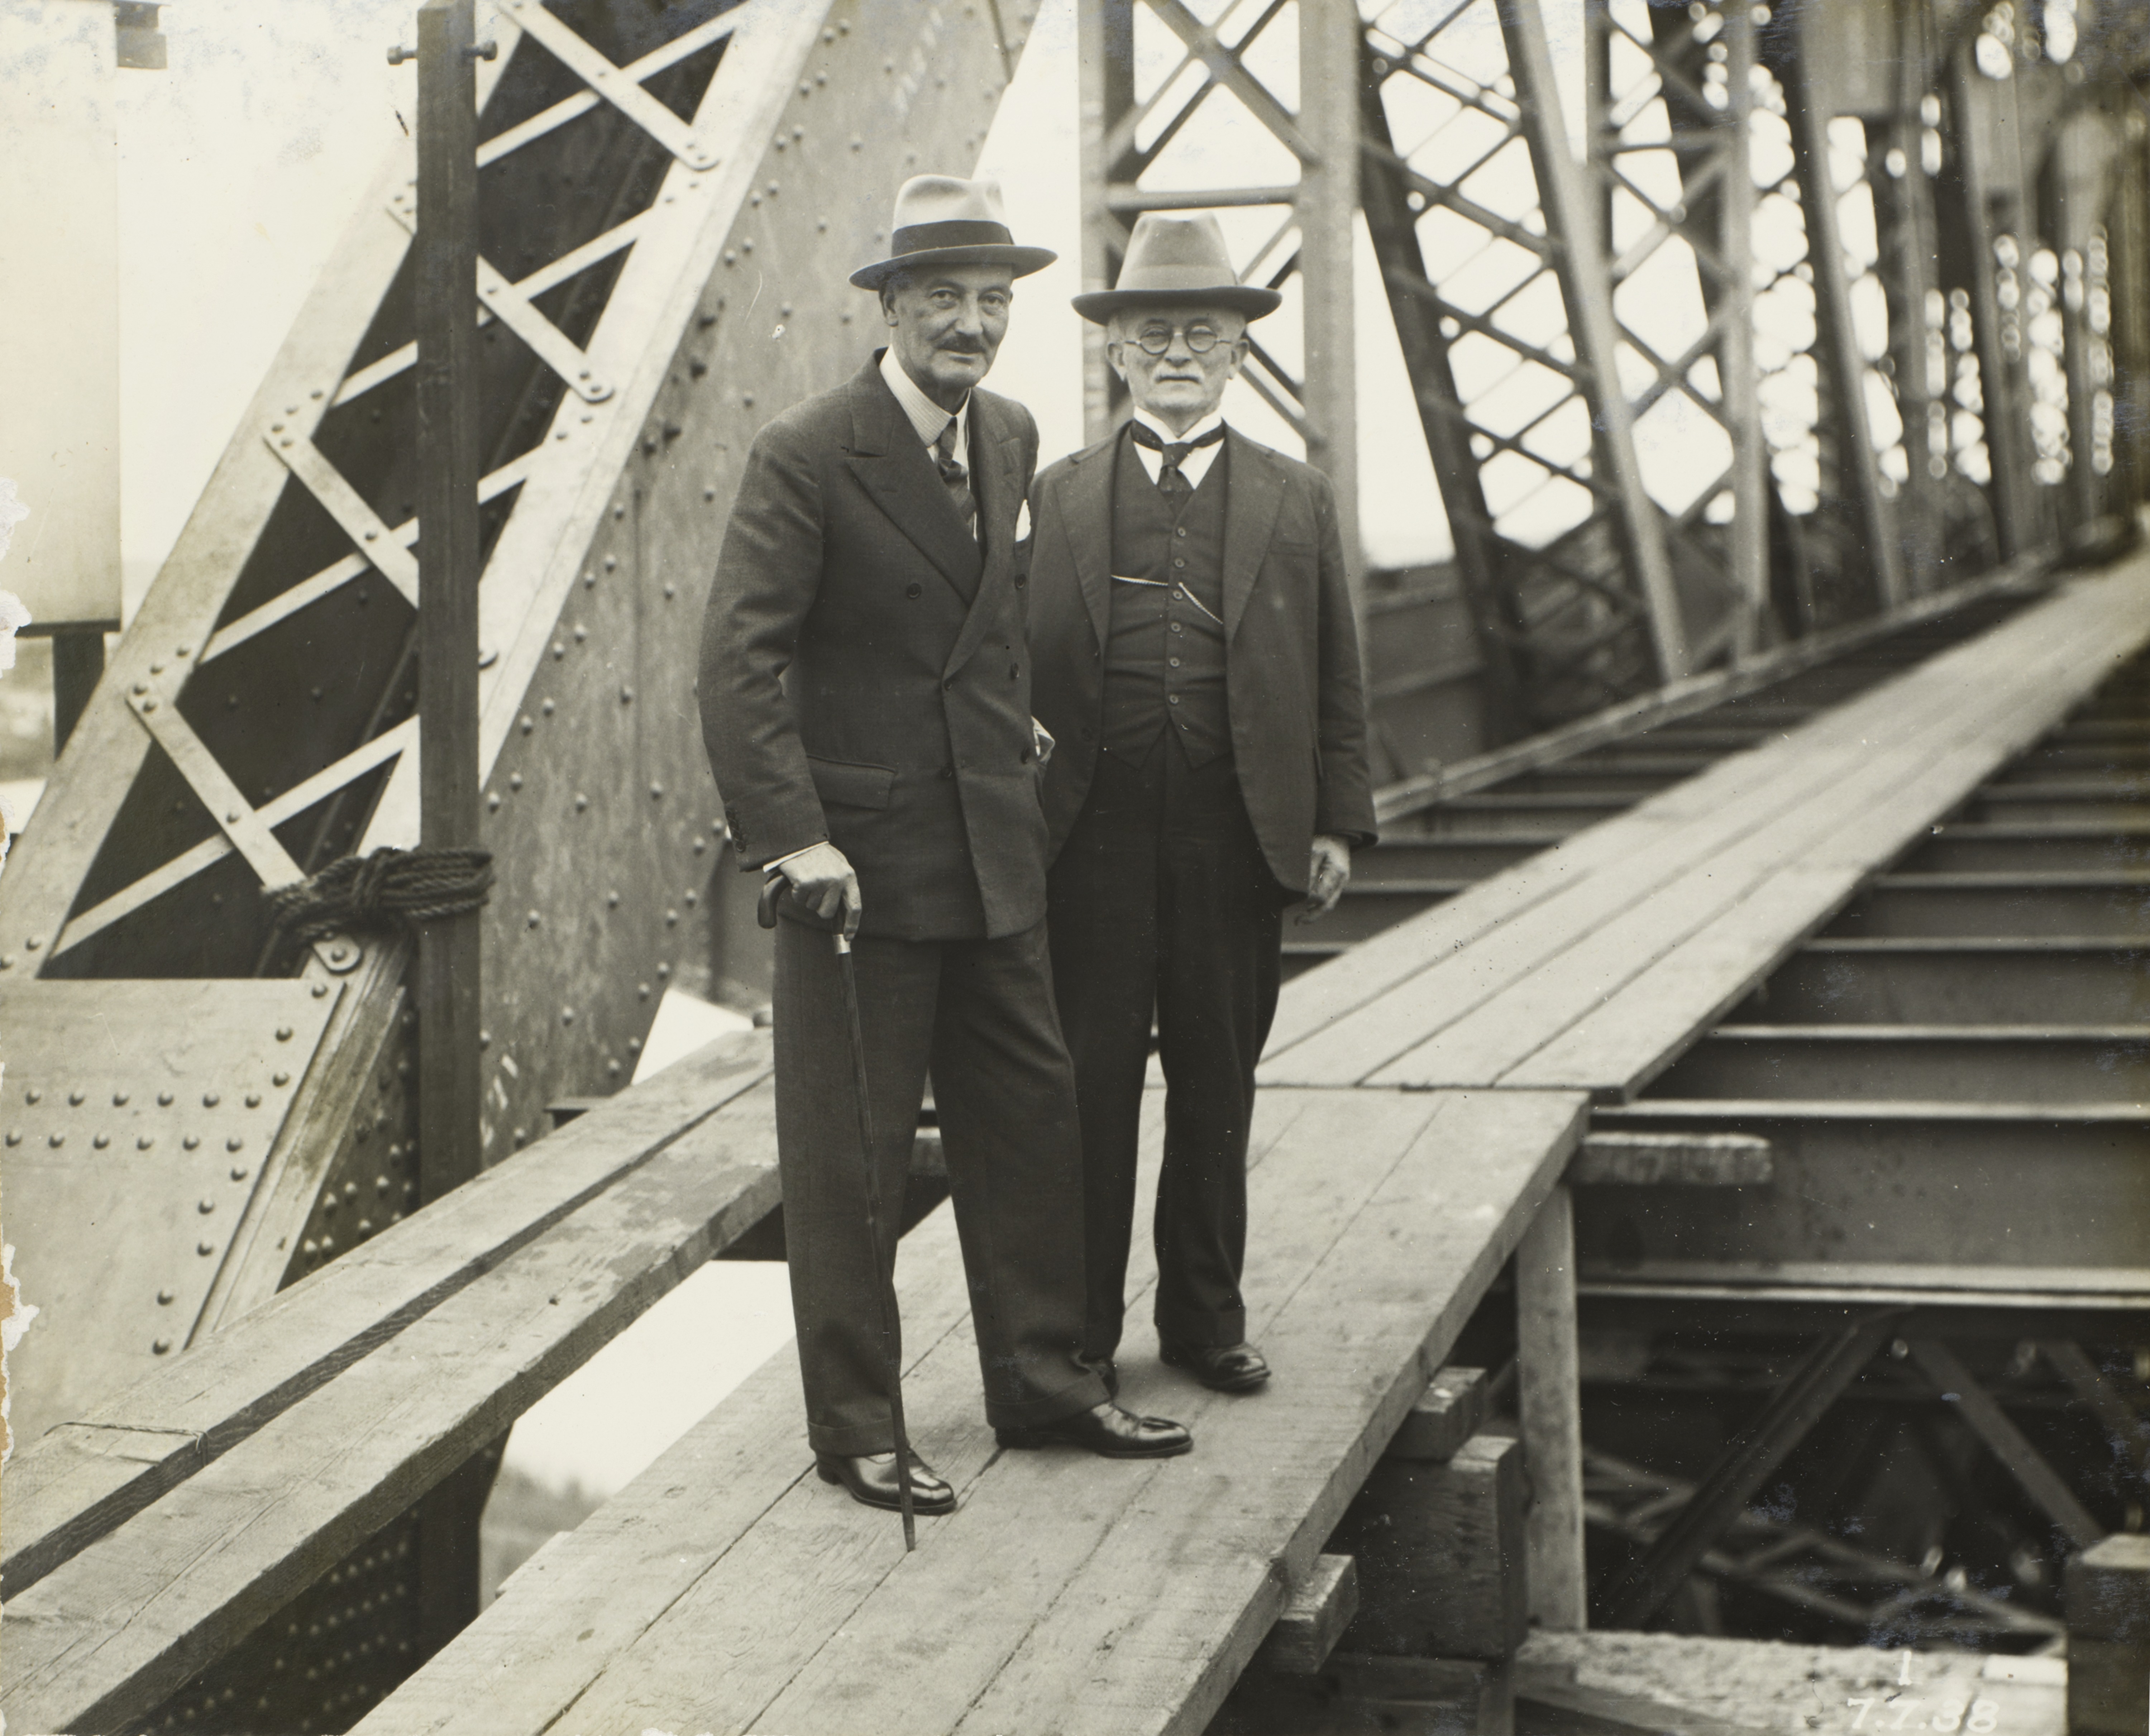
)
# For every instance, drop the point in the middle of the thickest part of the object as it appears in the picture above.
(927, 418)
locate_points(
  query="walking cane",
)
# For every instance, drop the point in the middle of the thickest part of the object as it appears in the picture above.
(771, 891)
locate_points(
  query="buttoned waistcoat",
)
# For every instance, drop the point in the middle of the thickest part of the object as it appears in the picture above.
(1292, 680)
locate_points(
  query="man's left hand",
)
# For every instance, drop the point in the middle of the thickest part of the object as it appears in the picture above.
(1328, 872)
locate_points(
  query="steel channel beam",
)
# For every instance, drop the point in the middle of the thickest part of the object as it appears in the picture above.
(1917, 981)
(2109, 906)
(1911, 1185)
(1965, 1064)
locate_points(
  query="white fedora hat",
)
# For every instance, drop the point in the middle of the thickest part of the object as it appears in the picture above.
(1171, 261)
(942, 220)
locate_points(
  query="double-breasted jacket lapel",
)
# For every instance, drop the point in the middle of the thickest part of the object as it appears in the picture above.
(891, 463)
(997, 486)
(1085, 490)
(1256, 485)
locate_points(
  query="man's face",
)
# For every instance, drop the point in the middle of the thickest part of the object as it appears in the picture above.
(1199, 351)
(946, 324)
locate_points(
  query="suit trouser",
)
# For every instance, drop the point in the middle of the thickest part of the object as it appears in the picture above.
(980, 1014)
(1161, 902)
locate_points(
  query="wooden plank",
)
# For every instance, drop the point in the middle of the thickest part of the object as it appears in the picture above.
(1696, 694)
(1174, 1590)
(1320, 1611)
(734, 1484)
(1549, 1401)
(1644, 1025)
(813, 1596)
(1441, 1553)
(1331, 1026)
(1446, 1414)
(77, 1483)
(105, 1636)
(1672, 1160)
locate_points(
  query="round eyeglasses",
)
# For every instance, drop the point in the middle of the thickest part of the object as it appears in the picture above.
(1156, 340)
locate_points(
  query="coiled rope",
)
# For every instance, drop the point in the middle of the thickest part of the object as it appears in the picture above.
(388, 887)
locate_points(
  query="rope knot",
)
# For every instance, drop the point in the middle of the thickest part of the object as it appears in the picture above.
(387, 888)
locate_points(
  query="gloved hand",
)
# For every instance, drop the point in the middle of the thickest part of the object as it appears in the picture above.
(821, 880)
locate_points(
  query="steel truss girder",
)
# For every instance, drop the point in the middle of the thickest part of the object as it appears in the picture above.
(642, 243)
(1592, 613)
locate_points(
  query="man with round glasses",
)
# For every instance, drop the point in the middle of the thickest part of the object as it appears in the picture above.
(1194, 654)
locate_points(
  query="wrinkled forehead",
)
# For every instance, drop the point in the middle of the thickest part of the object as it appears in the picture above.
(1130, 321)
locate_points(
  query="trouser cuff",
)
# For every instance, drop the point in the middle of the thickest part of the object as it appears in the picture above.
(1085, 1392)
(849, 1442)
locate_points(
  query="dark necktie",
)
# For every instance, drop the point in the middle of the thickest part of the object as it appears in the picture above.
(957, 479)
(1170, 479)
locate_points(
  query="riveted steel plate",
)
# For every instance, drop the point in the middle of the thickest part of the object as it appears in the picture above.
(136, 1119)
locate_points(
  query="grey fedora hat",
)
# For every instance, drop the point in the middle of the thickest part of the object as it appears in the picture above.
(1171, 261)
(941, 219)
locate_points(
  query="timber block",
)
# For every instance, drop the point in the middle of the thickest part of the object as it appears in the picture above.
(1447, 1415)
(2108, 1609)
(1671, 1160)
(1357, 1695)
(1440, 1550)
(1314, 1620)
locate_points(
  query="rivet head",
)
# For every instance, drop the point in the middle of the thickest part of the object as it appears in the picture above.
(280, 1079)
(205, 1206)
(56, 1141)
(75, 1098)
(567, 1015)
(145, 1142)
(14, 1136)
(101, 1141)
(533, 919)
(33, 1095)
(190, 1142)
(211, 1100)
(233, 1143)
(165, 1297)
(204, 1248)
(34, 942)
(162, 1346)
(253, 1099)
(283, 1035)
(118, 1099)
(239, 1172)
(164, 1099)
(321, 991)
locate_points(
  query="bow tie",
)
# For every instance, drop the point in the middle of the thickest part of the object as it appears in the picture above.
(1175, 450)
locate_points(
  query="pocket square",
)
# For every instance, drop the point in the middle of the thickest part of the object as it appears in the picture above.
(1022, 522)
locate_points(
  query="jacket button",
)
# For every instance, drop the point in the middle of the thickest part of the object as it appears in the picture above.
(949, 685)
(1014, 671)
(948, 771)
(1021, 580)
(914, 592)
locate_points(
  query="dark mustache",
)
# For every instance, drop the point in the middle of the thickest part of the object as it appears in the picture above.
(964, 347)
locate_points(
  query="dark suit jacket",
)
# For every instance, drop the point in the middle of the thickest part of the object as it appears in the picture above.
(863, 676)
(1299, 718)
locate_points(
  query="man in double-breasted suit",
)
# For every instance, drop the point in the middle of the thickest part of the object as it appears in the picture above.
(865, 689)
(1196, 657)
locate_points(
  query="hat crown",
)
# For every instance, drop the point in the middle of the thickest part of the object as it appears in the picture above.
(929, 199)
(1170, 252)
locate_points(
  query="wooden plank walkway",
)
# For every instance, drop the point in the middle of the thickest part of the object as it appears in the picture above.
(1593, 965)
(107, 1633)
(727, 1589)
(85, 1476)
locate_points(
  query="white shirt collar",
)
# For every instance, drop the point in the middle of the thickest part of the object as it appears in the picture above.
(1198, 462)
(1196, 432)
(927, 418)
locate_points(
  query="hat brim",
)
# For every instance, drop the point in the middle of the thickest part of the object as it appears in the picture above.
(1249, 300)
(1020, 261)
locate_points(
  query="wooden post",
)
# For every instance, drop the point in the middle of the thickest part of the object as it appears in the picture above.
(447, 997)
(1550, 1400)
(1327, 228)
(449, 1096)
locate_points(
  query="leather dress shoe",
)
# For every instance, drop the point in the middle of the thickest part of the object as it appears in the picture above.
(1107, 1430)
(1221, 1368)
(1105, 1368)
(870, 1478)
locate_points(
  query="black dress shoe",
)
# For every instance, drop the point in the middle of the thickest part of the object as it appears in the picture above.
(870, 1478)
(1105, 1368)
(1221, 1368)
(1107, 1430)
